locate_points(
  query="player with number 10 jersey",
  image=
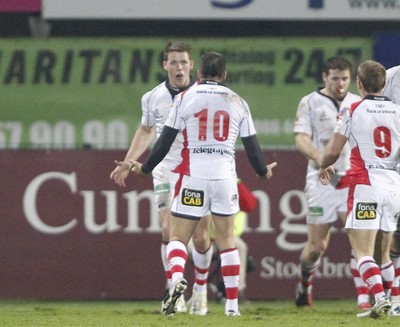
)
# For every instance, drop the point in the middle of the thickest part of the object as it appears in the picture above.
(206, 112)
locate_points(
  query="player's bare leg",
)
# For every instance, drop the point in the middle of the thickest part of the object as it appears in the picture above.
(202, 255)
(180, 232)
(164, 216)
(230, 262)
(395, 257)
(362, 291)
(363, 243)
(310, 258)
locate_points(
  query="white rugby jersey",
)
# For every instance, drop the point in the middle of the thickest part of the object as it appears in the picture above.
(392, 87)
(156, 105)
(372, 127)
(316, 116)
(210, 116)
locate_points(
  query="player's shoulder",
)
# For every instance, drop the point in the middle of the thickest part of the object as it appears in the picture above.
(351, 100)
(311, 100)
(351, 94)
(195, 84)
(312, 95)
(394, 105)
(233, 95)
(160, 88)
(353, 105)
(157, 96)
(155, 93)
(146, 96)
(390, 72)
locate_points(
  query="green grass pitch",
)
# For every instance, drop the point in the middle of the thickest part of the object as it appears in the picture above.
(41, 313)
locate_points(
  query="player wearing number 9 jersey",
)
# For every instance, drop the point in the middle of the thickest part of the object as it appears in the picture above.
(211, 117)
(372, 128)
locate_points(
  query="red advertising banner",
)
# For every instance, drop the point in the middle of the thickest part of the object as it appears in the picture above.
(68, 232)
(20, 5)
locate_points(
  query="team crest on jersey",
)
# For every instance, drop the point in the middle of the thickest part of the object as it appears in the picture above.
(323, 117)
(366, 210)
(192, 198)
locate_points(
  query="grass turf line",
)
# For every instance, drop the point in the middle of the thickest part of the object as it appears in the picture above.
(40, 313)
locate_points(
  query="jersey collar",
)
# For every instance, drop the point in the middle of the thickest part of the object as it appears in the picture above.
(377, 98)
(175, 91)
(210, 82)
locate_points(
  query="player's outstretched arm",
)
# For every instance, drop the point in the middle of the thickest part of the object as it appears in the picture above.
(121, 172)
(255, 156)
(160, 149)
(140, 142)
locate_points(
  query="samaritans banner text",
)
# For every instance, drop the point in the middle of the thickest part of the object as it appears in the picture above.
(85, 92)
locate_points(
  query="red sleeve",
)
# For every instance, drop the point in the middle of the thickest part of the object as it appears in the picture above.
(354, 106)
(247, 200)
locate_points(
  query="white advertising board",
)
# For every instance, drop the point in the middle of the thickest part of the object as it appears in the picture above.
(223, 9)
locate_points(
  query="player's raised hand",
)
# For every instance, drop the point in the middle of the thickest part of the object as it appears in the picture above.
(269, 167)
(121, 172)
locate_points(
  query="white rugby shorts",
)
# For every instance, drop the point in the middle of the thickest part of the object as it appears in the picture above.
(164, 181)
(324, 202)
(197, 197)
(373, 208)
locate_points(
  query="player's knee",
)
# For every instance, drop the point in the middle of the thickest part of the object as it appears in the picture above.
(202, 244)
(315, 251)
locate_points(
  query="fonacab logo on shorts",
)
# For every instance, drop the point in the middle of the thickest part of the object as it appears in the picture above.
(193, 198)
(366, 210)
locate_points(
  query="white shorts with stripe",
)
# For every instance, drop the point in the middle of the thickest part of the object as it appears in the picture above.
(373, 208)
(197, 197)
(324, 202)
(164, 181)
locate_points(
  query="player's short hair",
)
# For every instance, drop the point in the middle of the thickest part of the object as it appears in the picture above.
(372, 74)
(336, 62)
(178, 47)
(212, 64)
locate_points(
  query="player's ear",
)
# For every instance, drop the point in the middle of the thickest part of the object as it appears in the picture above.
(324, 76)
(199, 78)
(225, 75)
(360, 85)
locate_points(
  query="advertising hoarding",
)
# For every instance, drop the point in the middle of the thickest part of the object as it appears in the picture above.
(85, 92)
(68, 232)
(224, 9)
(20, 6)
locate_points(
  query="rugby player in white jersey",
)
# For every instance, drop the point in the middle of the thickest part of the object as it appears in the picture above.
(392, 91)
(392, 86)
(372, 129)
(315, 121)
(156, 105)
(211, 117)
